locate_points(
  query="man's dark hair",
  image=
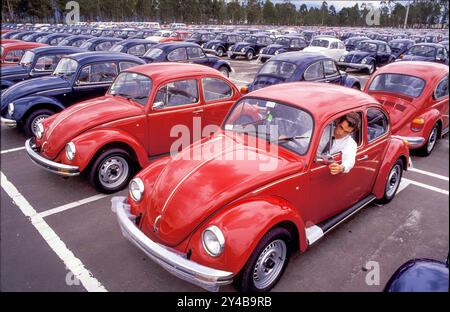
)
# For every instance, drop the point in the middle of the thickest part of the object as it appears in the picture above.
(352, 119)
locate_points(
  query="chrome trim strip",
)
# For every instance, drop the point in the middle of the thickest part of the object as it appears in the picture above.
(8, 122)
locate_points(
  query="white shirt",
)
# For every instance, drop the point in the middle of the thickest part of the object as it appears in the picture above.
(347, 146)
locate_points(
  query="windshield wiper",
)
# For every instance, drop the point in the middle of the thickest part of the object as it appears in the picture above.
(293, 138)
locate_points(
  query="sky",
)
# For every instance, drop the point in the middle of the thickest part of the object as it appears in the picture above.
(338, 4)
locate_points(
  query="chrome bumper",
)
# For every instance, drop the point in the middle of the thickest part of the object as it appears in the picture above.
(414, 142)
(175, 263)
(230, 53)
(354, 65)
(9, 122)
(60, 169)
(210, 51)
(266, 56)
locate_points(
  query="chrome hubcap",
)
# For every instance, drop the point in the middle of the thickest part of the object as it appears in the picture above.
(113, 171)
(35, 122)
(269, 264)
(432, 139)
(219, 52)
(393, 180)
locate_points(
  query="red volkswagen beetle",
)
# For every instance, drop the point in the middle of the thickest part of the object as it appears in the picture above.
(139, 118)
(235, 205)
(416, 96)
(12, 52)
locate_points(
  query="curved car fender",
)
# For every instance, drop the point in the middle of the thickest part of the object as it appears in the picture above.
(369, 59)
(397, 148)
(23, 105)
(6, 83)
(220, 63)
(431, 117)
(350, 81)
(243, 225)
(90, 142)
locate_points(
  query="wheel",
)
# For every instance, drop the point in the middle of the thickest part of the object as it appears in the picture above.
(267, 263)
(371, 68)
(249, 55)
(431, 141)
(112, 170)
(33, 119)
(393, 182)
(356, 87)
(220, 52)
(224, 71)
(232, 56)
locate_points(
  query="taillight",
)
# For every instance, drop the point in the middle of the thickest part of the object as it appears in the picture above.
(417, 124)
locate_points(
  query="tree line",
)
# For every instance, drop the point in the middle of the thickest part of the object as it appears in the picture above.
(430, 13)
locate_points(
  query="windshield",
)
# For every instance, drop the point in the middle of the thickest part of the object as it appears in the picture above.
(320, 43)
(116, 48)
(196, 36)
(367, 47)
(153, 53)
(278, 68)
(65, 42)
(86, 45)
(132, 86)
(283, 41)
(397, 45)
(277, 123)
(27, 58)
(66, 68)
(421, 50)
(251, 39)
(397, 83)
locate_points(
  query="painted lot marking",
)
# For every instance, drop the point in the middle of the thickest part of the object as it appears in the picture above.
(52, 239)
(239, 81)
(71, 205)
(431, 174)
(426, 186)
(13, 150)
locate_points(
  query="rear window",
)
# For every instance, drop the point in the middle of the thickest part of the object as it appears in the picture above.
(278, 68)
(397, 83)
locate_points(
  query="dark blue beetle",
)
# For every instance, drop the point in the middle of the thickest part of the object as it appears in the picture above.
(429, 52)
(53, 39)
(352, 42)
(368, 55)
(34, 37)
(100, 43)
(301, 66)
(136, 47)
(37, 62)
(221, 43)
(186, 52)
(75, 40)
(250, 47)
(399, 46)
(200, 37)
(420, 275)
(20, 35)
(8, 35)
(282, 44)
(77, 77)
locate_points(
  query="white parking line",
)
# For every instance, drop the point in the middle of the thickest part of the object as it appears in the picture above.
(431, 174)
(52, 239)
(13, 150)
(71, 205)
(239, 81)
(426, 186)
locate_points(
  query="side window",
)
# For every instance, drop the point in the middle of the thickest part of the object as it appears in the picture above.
(182, 92)
(195, 53)
(377, 124)
(388, 49)
(46, 63)
(381, 48)
(231, 39)
(14, 56)
(137, 50)
(126, 65)
(330, 68)
(441, 89)
(334, 45)
(216, 89)
(78, 43)
(341, 46)
(104, 46)
(98, 73)
(177, 55)
(295, 43)
(314, 72)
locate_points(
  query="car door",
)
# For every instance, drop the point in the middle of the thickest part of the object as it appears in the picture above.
(178, 55)
(441, 55)
(381, 57)
(331, 72)
(171, 115)
(314, 72)
(440, 102)
(218, 97)
(195, 55)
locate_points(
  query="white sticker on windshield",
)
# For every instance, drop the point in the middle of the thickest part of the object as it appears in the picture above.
(228, 127)
(271, 104)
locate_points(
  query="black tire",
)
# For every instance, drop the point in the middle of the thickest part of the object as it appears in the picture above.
(232, 56)
(372, 68)
(245, 281)
(32, 119)
(432, 139)
(356, 87)
(220, 52)
(224, 70)
(249, 55)
(111, 159)
(391, 186)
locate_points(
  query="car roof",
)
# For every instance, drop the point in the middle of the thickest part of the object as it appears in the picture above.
(376, 41)
(175, 44)
(22, 44)
(428, 71)
(300, 57)
(429, 44)
(127, 42)
(57, 49)
(95, 39)
(316, 97)
(93, 56)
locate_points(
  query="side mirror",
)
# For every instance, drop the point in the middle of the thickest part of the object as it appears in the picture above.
(244, 90)
(158, 105)
(324, 159)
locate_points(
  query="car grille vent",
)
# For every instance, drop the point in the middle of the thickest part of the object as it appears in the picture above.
(400, 107)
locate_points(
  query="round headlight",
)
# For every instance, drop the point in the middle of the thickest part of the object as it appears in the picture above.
(277, 52)
(70, 151)
(213, 47)
(230, 48)
(243, 50)
(364, 61)
(213, 241)
(342, 58)
(203, 45)
(10, 109)
(39, 130)
(136, 189)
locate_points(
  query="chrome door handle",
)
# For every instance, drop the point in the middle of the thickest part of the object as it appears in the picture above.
(363, 158)
(198, 111)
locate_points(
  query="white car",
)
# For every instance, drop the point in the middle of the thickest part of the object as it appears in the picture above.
(328, 46)
(161, 34)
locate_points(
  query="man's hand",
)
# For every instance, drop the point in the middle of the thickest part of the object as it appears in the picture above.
(335, 168)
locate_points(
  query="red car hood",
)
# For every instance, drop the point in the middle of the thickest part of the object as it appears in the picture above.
(189, 191)
(401, 109)
(83, 116)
